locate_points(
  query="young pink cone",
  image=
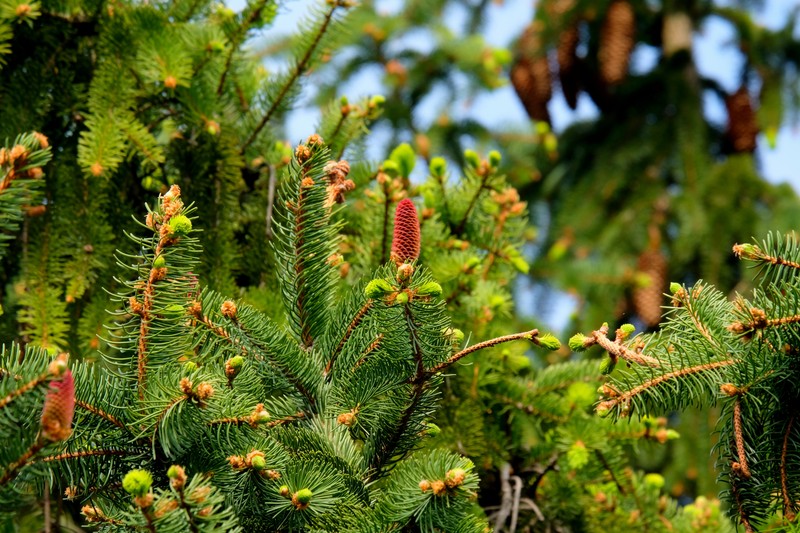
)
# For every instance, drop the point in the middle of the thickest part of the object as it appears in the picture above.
(406, 240)
(59, 406)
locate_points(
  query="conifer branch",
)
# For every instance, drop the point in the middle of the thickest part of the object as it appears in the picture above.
(788, 504)
(286, 420)
(551, 466)
(32, 384)
(387, 208)
(618, 350)
(23, 460)
(84, 453)
(99, 412)
(626, 396)
(742, 467)
(188, 510)
(353, 325)
(531, 410)
(529, 335)
(748, 527)
(754, 253)
(610, 471)
(459, 229)
(374, 345)
(298, 71)
(236, 41)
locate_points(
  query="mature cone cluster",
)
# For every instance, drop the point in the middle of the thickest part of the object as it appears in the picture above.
(742, 121)
(530, 74)
(406, 239)
(647, 298)
(617, 40)
(59, 407)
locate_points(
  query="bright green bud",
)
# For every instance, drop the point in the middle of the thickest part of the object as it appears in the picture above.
(455, 335)
(472, 158)
(502, 55)
(137, 482)
(430, 289)
(216, 46)
(674, 287)
(650, 422)
(607, 365)
(402, 298)
(494, 158)
(390, 168)
(258, 462)
(377, 100)
(236, 362)
(432, 430)
(653, 480)
(343, 100)
(377, 288)
(284, 491)
(672, 434)
(438, 167)
(159, 262)
(627, 329)
(405, 158)
(602, 411)
(542, 128)
(303, 496)
(472, 262)
(550, 142)
(576, 342)
(549, 341)
(174, 471)
(190, 366)
(180, 225)
(174, 310)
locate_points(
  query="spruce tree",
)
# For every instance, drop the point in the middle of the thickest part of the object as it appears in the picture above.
(208, 414)
(738, 352)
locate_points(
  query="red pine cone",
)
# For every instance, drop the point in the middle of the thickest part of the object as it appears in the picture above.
(617, 40)
(405, 242)
(59, 406)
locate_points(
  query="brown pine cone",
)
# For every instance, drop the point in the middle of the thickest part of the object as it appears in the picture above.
(647, 299)
(742, 121)
(530, 75)
(568, 65)
(617, 39)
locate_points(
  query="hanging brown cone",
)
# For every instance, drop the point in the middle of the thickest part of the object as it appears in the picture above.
(617, 39)
(530, 74)
(568, 65)
(651, 283)
(742, 121)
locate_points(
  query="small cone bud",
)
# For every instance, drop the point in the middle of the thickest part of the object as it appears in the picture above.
(377, 288)
(137, 483)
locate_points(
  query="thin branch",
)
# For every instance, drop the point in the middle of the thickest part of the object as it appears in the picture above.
(748, 527)
(788, 504)
(617, 349)
(99, 412)
(610, 471)
(237, 40)
(353, 325)
(484, 181)
(83, 453)
(270, 200)
(626, 396)
(298, 71)
(529, 335)
(32, 384)
(551, 465)
(23, 460)
(386, 211)
(743, 468)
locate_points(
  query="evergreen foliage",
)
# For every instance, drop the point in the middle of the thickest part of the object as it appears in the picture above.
(739, 353)
(312, 426)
